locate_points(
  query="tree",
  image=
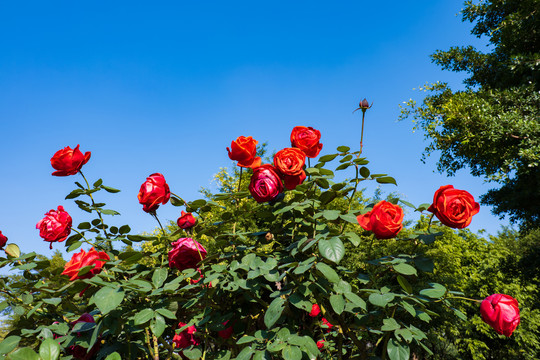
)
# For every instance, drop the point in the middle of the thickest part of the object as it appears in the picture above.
(493, 126)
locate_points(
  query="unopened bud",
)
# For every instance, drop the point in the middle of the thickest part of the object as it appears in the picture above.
(364, 105)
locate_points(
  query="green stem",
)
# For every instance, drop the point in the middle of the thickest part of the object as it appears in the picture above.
(85, 239)
(240, 179)
(362, 133)
(94, 206)
(464, 298)
(159, 222)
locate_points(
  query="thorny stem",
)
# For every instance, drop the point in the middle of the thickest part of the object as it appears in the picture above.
(94, 205)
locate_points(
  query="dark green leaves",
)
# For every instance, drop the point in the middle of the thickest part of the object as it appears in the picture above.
(273, 312)
(107, 299)
(49, 349)
(332, 249)
(328, 272)
(397, 350)
(9, 343)
(436, 291)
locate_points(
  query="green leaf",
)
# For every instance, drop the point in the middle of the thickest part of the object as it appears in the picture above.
(245, 339)
(331, 214)
(410, 309)
(143, 316)
(53, 301)
(245, 354)
(124, 229)
(343, 148)
(158, 325)
(332, 249)
(459, 314)
(356, 300)
(327, 158)
(167, 313)
(273, 313)
(109, 212)
(364, 172)
(109, 189)
(338, 303)
(343, 166)
(98, 183)
(159, 277)
(436, 291)
(84, 226)
(13, 250)
(397, 351)
(107, 299)
(8, 344)
(390, 324)
(386, 180)
(298, 301)
(351, 218)
(406, 334)
(175, 201)
(380, 299)
(328, 272)
(291, 353)
(353, 238)
(405, 269)
(49, 349)
(24, 353)
(192, 354)
(404, 284)
(113, 356)
(424, 264)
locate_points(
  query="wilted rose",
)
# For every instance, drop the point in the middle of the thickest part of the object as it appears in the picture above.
(186, 220)
(186, 338)
(244, 150)
(186, 253)
(384, 220)
(501, 312)
(306, 139)
(68, 161)
(454, 208)
(82, 259)
(265, 183)
(315, 310)
(55, 226)
(154, 191)
(3, 240)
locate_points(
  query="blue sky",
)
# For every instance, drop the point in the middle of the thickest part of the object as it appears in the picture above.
(165, 87)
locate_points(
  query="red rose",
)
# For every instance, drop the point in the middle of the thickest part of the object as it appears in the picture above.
(186, 338)
(290, 163)
(186, 221)
(292, 181)
(68, 161)
(55, 226)
(327, 323)
(315, 310)
(227, 332)
(3, 240)
(454, 208)
(320, 344)
(153, 192)
(186, 253)
(78, 351)
(243, 150)
(501, 312)
(82, 259)
(307, 140)
(384, 220)
(265, 183)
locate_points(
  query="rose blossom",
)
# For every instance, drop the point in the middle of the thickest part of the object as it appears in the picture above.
(3, 240)
(327, 323)
(265, 183)
(68, 161)
(153, 192)
(186, 220)
(384, 220)
(227, 332)
(454, 208)
(315, 310)
(186, 338)
(82, 259)
(320, 344)
(186, 253)
(243, 150)
(501, 312)
(307, 140)
(55, 226)
(290, 163)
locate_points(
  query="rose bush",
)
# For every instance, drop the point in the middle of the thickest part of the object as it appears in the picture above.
(278, 281)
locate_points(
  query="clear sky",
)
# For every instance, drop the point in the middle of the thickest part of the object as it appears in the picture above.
(165, 86)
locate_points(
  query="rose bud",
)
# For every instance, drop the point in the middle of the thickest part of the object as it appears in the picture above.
(320, 344)
(55, 226)
(364, 105)
(243, 150)
(315, 310)
(186, 221)
(186, 338)
(454, 208)
(307, 140)
(265, 184)
(82, 259)
(68, 161)
(3, 240)
(153, 192)
(384, 220)
(227, 332)
(186, 253)
(327, 323)
(501, 312)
